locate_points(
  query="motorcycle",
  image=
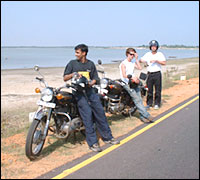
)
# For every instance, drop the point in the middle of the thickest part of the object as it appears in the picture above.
(56, 104)
(115, 99)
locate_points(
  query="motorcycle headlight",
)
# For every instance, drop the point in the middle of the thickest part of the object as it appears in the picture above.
(103, 83)
(46, 94)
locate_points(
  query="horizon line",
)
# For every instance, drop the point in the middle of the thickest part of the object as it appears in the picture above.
(139, 46)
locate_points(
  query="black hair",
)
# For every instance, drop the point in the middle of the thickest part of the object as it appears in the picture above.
(82, 47)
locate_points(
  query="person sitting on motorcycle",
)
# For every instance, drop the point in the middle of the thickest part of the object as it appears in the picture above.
(127, 72)
(90, 107)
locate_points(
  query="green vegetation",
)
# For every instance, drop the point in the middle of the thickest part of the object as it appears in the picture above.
(171, 46)
(171, 76)
(106, 47)
(183, 61)
(15, 121)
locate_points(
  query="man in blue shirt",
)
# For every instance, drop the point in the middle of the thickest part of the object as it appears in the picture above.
(90, 108)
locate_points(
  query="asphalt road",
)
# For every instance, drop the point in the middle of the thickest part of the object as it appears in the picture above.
(168, 150)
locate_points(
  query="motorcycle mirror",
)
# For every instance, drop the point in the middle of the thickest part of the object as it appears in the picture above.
(143, 76)
(36, 68)
(99, 62)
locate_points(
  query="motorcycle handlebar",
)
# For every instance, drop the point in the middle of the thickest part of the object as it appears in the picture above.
(129, 76)
(100, 71)
(40, 79)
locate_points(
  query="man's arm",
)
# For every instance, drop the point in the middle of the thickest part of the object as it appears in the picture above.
(93, 76)
(142, 61)
(137, 64)
(92, 82)
(159, 62)
(68, 72)
(123, 68)
(68, 77)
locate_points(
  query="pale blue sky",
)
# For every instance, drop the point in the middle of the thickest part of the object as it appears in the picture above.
(99, 23)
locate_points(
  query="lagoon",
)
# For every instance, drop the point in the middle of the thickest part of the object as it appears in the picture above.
(27, 57)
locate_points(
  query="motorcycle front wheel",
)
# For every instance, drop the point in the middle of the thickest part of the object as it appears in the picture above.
(35, 140)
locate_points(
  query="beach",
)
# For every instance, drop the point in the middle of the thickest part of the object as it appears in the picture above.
(22, 81)
(18, 85)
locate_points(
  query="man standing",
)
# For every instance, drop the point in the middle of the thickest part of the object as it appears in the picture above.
(154, 60)
(90, 107)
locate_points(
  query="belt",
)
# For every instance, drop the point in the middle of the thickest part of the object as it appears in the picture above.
(153, 72)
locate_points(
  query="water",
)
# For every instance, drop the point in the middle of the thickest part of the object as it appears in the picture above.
(17, 58)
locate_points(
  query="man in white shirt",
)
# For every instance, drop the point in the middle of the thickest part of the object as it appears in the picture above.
(127, 70)
(154, 60)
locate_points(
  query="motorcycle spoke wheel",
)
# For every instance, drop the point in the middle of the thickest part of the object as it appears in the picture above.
(35, 140)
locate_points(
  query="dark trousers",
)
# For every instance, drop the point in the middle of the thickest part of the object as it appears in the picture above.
(154, 79)
(91, 111)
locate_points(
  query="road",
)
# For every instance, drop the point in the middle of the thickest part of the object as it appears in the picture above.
(167, 150)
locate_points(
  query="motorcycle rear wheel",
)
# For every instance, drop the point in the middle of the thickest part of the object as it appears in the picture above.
(34, 141)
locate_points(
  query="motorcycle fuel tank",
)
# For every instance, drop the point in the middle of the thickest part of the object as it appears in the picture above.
(66, 97)
(114, 88)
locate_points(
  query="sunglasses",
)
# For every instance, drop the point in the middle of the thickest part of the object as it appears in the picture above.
(131, 54)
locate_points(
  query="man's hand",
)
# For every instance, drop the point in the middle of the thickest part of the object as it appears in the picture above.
(159, 62)
(91, 83)
(136, 55)
(76, 75)
(136, 80)
(153, 61)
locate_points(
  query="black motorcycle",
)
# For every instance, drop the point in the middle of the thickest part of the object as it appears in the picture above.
(57, 113)
(115, 99)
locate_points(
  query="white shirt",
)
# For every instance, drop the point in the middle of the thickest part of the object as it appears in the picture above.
(130, 66)
(153, 67)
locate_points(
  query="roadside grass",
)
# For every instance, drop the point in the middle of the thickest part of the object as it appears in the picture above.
(166, 97)
(191, 72)
(169, 78)
(183, 61)
(15, 121)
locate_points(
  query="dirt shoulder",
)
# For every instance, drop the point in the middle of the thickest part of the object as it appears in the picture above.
(18, 92)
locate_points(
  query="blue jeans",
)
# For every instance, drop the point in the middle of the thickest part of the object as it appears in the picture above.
(92, 112)
(137, 99)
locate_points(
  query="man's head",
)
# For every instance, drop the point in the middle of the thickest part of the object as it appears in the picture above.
(130, 53)
(153, 45)
(81, 50)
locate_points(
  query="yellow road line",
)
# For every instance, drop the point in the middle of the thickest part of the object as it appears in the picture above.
(111, 148)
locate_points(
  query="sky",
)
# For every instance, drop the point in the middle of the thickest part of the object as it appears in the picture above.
(99, 23)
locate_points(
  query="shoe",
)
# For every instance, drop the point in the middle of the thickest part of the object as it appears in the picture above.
(95, 147)
(150, 118)
(148, 106)
(144, 120)
(112, 141)
(156, 107)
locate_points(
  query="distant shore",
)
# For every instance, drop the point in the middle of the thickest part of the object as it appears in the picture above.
(109, 47)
